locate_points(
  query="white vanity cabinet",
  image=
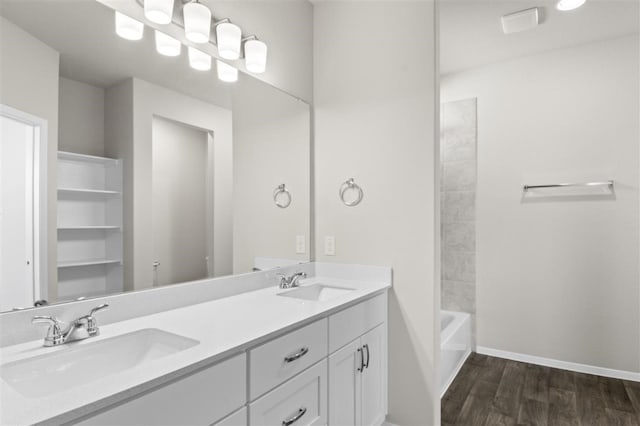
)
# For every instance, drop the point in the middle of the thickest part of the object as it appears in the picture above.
(332, 371)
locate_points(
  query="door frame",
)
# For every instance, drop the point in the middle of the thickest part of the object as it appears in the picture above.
(40, 180)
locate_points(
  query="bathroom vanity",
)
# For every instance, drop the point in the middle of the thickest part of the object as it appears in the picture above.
(314, 354)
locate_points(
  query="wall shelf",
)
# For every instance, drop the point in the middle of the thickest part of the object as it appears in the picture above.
(87, 262)
(89, 228)
(89, 198)
(84, 191)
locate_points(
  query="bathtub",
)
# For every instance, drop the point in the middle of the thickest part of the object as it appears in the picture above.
(455, 345)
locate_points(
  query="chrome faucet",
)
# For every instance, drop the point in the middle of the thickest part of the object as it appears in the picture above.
(291, 281)
(60, 333)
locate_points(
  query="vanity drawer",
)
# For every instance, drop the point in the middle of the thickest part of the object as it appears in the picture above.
(201, 398)
(353, 322)
(304, 397)
(280, 359)
(239, 418)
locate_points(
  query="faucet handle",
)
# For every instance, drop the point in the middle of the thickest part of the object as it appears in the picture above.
(92, 327)
(98, 308)
(54, 334)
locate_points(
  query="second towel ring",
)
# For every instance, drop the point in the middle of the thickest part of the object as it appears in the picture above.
(347, 185)
(281, 189)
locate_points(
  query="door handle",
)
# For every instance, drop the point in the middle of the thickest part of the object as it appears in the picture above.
(361, 368)
(366, 364)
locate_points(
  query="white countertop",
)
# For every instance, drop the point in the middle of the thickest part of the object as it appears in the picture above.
(224, 327)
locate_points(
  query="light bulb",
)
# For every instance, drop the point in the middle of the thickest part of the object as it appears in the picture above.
(167, 45)
(158, 11)
(199, 60)
(226, 72)
(228, 36)
(128, 28)
(197, 22)
(255, 56)
(565, 5)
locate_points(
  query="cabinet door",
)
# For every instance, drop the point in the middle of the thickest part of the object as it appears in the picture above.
(344, 385)
(374, 377)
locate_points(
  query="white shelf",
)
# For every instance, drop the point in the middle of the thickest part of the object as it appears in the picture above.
(72, 156)
(90, 231)
(90, 227)
(87, 262)
(87, 191)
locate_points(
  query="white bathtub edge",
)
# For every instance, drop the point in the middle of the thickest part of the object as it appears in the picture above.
(565, 365)
(455, 372)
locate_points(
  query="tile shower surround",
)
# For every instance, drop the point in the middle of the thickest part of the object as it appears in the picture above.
(458, 141)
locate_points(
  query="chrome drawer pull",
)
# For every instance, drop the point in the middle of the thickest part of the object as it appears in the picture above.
(296, 356)
(295, 418)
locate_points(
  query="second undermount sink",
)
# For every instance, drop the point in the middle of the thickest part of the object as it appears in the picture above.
(79, 364)
(317, 292)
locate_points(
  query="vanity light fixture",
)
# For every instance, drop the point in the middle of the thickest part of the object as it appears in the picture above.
(255, 55)
(199, 60)
(229, 39)
(197, 22)
(226, 72)
(167, 45)
(565, 5)
(158, 11)
(128, 28)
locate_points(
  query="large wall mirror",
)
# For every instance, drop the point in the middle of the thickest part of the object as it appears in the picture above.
(161, 174)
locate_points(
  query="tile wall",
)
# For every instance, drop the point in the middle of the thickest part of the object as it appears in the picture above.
(458, 142)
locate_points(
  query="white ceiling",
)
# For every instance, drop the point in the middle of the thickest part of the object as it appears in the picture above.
(471, 33)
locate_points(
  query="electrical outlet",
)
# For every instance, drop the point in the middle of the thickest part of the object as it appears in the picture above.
(330, 245)
(300, 244)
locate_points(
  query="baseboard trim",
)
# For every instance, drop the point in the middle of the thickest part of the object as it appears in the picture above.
(565, 365)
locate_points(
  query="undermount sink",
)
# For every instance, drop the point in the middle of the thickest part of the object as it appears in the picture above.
(77, 365)
(317, 292)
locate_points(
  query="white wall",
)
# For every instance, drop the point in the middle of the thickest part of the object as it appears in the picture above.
(81, 123)
(29, 72)
(133, 143)
(558, 278)
(271, 146)
(375, 102)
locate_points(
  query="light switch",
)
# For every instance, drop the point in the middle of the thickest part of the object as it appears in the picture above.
(330, 245)
(300, 244)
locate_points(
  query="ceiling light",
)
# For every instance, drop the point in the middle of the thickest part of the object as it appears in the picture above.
(199, 60)
(255, 56)
(226, 72)
(167, 45)
(229, 37)
(197, 22)
(128, 28)
(158, 11)
(565, 5)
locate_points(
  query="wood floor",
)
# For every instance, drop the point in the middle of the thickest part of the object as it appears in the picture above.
(494, 392)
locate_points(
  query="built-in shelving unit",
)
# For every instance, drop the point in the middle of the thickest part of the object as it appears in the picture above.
(89, 225)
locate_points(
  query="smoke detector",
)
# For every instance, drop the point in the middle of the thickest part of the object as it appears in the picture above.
(521, 21)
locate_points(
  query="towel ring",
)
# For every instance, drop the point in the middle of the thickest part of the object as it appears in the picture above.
(347, 185)
(281, 189)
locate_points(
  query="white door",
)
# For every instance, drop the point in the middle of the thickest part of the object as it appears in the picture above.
(17, 145)
(179, 186)
(344, 385)
(374, 404)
